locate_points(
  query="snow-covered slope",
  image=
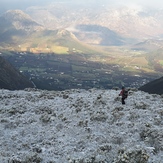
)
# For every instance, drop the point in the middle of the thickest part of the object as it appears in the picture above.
(80, 126)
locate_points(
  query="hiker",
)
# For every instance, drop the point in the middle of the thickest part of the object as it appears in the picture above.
(124, 94)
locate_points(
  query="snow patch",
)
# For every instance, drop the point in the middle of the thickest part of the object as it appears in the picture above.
(80, 126)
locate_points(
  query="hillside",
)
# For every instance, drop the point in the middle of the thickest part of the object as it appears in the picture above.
(153, 86)
(149, 45)
(19, 32)
(80, 126)
(58, 41)
(15, 26)
(98, 35)
(104, 26)
(130, 22)
(10, 78)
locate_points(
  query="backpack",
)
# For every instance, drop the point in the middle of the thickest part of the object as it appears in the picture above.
(125, 94)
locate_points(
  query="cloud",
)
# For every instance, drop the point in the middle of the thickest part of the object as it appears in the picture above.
(143, 3)
(23, 4)
(20, 4)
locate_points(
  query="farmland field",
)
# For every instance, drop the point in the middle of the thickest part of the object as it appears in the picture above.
(78, 70)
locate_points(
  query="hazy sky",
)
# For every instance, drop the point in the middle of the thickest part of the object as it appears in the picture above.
(23, 4)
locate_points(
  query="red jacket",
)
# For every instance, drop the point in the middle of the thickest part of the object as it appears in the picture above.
(122, 93)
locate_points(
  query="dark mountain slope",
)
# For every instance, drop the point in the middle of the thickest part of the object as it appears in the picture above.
(154, 87)
(10, 78)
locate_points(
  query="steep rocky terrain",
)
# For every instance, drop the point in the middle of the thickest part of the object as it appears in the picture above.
(10, 78)
(79, 126)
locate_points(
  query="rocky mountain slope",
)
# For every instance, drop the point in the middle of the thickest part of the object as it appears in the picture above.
(80, 126)
(10, 78)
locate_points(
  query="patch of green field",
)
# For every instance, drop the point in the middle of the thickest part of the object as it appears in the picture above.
(140, 61)
(80, 68)
(6, 52)
(86, 76)
(23, 68)
(161, 62)
(32, 69)
(130, 69)
(59, 49)
(51, 62)
(147, 70)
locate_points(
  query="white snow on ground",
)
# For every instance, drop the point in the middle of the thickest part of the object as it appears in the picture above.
(80, 126)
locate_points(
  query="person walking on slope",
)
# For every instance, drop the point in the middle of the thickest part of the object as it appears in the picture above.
(124, 94)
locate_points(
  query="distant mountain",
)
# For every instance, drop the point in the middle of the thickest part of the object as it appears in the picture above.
(89, 25)
(104, 26)
(149, 45)
(96, 34)
(19, 20)
(10, 78)
(154, 87)
(15, 25)
(21, 33)
(130, 22)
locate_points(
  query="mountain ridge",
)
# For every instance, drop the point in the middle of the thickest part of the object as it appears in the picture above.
(153, 87)
(149, 45)
(127, 21)
(100, 30)
(19, 20)
(21, 33)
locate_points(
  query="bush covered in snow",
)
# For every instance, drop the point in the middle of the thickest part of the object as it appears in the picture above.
(80, 126)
